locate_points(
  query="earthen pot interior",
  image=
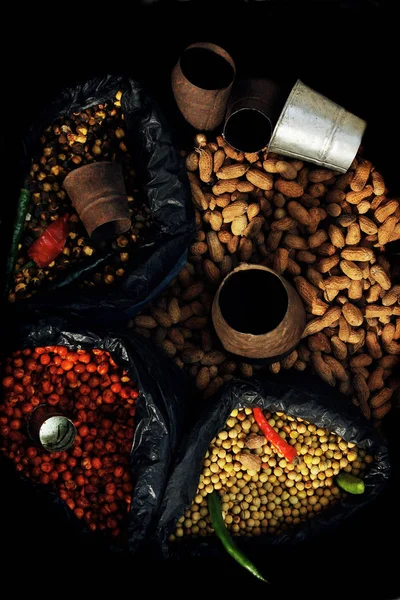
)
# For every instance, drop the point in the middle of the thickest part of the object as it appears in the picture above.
(201, 82)
(257, 314)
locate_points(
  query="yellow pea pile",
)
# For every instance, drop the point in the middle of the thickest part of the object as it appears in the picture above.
(274, 494)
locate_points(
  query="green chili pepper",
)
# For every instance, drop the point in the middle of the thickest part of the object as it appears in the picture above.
(350, 483)
(214, 507)
(22, 207)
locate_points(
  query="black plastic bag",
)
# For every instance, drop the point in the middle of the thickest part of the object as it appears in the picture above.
(297, 395)
(163, 179)
(159, 419)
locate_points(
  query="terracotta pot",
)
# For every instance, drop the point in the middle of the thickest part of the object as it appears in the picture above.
(253, 111)
(201, 82)
(97, 191)
(257, 314)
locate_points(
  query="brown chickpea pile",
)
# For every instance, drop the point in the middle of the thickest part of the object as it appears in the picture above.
(95, 134)
(281, 494)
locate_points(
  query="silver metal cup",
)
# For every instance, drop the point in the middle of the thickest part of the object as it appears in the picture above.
(313, 128)
(51, 429)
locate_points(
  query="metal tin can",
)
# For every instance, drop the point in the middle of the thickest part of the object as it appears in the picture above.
(313, 128)
(51, 429)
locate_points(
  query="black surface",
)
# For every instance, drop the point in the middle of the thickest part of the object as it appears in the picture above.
(347, 51)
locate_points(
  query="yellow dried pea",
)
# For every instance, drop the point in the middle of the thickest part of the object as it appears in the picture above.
(280, 494)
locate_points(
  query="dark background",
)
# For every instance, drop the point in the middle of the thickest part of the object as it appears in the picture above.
(345, 50)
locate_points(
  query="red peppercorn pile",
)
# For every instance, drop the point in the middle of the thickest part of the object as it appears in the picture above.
(92, 477)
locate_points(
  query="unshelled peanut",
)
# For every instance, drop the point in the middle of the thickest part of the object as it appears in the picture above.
(322, 231)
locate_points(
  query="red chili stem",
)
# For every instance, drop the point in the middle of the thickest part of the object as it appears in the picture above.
(289, 452)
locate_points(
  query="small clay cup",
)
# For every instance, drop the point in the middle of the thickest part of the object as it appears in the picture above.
(97, 191)
(253, 110)
(201, 82)
(257, 314)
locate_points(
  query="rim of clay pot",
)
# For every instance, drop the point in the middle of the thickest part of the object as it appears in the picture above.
(94, 166)
(231, 137)
(280, 340)
(216, 50)
(253, 109)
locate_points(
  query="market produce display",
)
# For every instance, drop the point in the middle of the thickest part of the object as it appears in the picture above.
(325, 232)
(95, 134)
(261, 491)
(93, 477)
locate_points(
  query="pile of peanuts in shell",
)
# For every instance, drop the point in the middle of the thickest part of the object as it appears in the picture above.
(93, 135)
(325, 232)
(261, 492)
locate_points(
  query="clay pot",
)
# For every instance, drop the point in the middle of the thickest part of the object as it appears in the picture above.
(97, 191)
(253, 111)
(257, 314)
(201, 82)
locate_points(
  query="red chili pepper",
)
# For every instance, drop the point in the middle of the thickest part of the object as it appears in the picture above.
(272, 436)
(51, 243)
